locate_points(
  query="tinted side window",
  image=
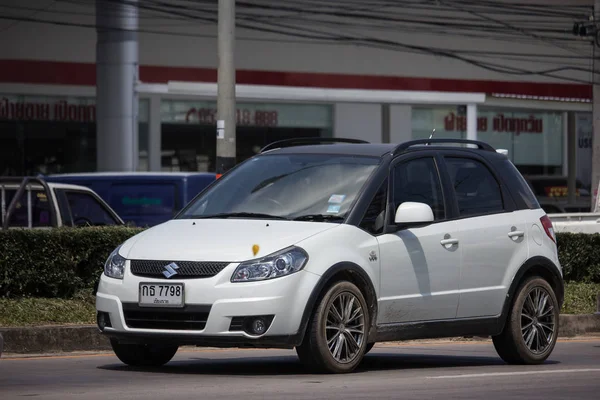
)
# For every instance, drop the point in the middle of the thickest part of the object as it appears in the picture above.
(143, 199)
(86, 209)
(374, 219)
(418, 181)
(522, 192)
(476, 189)
(40, 209)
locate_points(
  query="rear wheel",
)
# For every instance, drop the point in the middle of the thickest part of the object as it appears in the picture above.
(143, 355)
(335, 340)
(531, 329)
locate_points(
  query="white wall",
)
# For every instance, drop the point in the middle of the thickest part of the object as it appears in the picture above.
(400, 123)
(193, 43)
(357, 121)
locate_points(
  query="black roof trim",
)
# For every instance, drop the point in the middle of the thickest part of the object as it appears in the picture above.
(308, 141)
(405, 146)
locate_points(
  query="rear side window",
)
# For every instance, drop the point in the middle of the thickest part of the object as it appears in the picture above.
(139, 199)
(477, 191)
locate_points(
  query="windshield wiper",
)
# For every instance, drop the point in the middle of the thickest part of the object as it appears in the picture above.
(240, 214)
(319, 217)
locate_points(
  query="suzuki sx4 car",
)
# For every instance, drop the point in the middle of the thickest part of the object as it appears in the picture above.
(331, 245)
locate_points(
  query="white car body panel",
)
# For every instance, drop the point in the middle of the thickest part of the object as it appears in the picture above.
(419, 275)
(489, 257)
(219, 239)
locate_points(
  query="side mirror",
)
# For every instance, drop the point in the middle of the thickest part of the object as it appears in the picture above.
(411, 213)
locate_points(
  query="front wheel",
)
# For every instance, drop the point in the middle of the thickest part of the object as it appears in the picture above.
(531, 329)
(335, 340)
(143, 355)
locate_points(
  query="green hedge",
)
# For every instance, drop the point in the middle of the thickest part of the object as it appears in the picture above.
(55, 262)
(63, 262)
(579, 255)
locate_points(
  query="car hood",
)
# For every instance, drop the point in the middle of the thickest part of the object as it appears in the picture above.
(229, 240)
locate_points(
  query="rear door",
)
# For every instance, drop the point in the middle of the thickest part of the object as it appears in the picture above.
(492, 233)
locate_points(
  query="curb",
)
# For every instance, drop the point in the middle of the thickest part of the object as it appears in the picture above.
(72, 338)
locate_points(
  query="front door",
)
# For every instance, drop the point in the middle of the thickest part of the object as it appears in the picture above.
(420, 267)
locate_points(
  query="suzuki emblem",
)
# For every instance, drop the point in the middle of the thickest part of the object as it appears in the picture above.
(170, 270)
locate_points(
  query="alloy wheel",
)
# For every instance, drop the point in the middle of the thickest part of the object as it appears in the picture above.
(538, 320)
(345, 327)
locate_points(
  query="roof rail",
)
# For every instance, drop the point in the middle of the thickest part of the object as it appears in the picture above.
(404, 146)
(307, 141)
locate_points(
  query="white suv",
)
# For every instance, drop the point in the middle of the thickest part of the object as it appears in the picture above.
(329, 247)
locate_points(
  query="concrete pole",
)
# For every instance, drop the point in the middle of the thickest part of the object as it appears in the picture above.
(226, 112)
(596, 119)
(472, 122)
(571, 157)
(116, 77)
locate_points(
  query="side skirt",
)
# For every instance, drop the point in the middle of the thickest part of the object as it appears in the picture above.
(489, 326)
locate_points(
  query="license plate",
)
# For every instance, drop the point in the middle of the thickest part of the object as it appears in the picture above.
(161, 295)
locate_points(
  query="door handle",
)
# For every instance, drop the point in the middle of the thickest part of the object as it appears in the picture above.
(448, 242)
(515, 234)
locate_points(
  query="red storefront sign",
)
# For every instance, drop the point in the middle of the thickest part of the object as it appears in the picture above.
(500, 123)
(57, 111)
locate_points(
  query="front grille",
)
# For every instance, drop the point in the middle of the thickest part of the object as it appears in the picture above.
(190, 318)
(186, 270)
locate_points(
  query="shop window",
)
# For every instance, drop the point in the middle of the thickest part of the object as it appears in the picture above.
(533, 138)
(188, 130)
(47, 135)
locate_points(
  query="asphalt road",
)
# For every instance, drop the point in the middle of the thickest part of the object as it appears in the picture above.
(419, 371)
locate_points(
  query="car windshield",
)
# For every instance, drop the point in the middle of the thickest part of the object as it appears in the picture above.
(286, 186)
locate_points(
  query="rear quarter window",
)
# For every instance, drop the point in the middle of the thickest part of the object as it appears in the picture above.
(517, 185)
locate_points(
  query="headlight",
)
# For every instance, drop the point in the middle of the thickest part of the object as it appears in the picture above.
(114, 267)
(282, 263)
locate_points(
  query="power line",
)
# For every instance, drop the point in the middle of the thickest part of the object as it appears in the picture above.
(203, 12)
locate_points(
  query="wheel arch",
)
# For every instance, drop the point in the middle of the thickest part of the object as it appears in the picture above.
(342, 271)
(535, 266)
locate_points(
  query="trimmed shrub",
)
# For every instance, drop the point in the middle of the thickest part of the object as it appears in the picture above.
(579, 255)
(55, 262)
(62, 262)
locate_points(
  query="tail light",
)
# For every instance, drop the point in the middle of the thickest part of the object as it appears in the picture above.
(547, 224)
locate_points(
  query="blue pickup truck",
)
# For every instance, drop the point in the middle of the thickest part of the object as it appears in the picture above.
(142, 199)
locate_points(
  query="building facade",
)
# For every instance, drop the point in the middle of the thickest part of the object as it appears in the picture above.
(287, 87)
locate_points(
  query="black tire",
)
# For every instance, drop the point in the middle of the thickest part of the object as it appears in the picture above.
(314, 352)
(511, 344)
(143, 355)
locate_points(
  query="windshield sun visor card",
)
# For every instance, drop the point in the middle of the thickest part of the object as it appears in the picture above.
(333, 208)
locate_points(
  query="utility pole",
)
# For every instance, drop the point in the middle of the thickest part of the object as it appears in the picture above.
(595, 114)
(226, 111)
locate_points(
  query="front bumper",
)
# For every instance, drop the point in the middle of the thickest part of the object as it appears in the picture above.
(215, 305)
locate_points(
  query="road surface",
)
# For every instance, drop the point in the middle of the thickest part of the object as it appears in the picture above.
(448, 370)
